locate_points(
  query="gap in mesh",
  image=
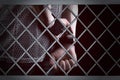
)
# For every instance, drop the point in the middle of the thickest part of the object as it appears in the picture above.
(79, 50)
(76, 71)
(96, 71)
(87, 17)
(97, 8)
(86, 39)
(36, 51)
(119, 62)
(1, 52)
(15, 71)
(114, 51)
(86, 62)
(5, 62)
(25, 66)
(106, 62)
(79, 28)
(25, 59)
(106, 17)
(115, 9)
(2, 29)
(4, 40)
(36, 29)
(1, 73)
(80, 8)
(96, 51)
(36, 71)
(106, 40)
(115, 71)
(15, 51)
(6, 18)
(36, 9)
(16, 9)
(26, 17)
(97, 28)
(114, 28)
(26, 40)
(15, 28)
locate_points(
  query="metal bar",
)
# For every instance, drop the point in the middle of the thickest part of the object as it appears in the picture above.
(59, 2)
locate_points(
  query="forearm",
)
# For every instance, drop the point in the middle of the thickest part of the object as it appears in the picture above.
(46, 16)
(70, 17)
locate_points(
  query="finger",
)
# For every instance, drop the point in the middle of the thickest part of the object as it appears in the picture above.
(52, 62)
(73, 53)
(62, 64)
(72, 63)
(64, 21)
(67, 65)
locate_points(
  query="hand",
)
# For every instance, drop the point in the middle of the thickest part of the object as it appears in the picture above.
(59, 26)
(66, 62)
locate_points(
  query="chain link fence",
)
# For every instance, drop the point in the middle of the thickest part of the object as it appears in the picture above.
(97, 41)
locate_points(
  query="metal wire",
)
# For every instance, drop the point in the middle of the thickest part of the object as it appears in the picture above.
(56, 40)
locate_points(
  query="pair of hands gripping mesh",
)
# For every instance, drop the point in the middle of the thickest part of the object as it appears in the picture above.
(67, 61)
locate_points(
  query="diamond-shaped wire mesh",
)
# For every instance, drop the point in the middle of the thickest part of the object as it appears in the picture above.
(30, 42)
